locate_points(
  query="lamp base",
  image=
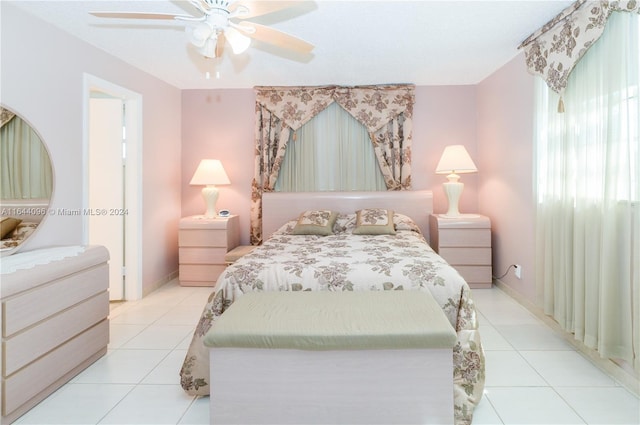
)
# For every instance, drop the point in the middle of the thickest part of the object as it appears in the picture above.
(210, 196)
(453, 189)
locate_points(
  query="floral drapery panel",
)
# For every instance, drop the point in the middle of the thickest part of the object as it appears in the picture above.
(386, 112)
(553, 51)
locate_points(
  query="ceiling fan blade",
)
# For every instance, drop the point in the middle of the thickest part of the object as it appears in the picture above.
(139, 15)
(198, 5)
(275, 37)
(250, 9)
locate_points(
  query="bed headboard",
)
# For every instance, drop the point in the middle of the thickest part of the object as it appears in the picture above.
(280, 207)
(28, 210)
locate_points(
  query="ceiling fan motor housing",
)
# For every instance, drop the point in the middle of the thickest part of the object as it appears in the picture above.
(217, 3)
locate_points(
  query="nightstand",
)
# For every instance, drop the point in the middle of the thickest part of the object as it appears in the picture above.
(202, 244)
(465, 243)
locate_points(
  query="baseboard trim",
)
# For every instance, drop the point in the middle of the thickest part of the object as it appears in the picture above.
(159, 283)
(624, 377)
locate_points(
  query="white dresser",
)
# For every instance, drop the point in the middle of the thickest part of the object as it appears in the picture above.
(465, 243)
(203, 243)
(54, 321)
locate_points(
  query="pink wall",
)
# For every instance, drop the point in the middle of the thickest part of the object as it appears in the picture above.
(46, 88)
(444, 115)
(219, 124)
(506, 190)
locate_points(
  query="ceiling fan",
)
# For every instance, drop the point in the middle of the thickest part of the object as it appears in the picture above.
(224, 21)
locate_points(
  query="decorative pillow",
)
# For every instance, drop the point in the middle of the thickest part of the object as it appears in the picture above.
(374, 221)
(315, 222)
(8, 225)
(345, 223)
(403, 222)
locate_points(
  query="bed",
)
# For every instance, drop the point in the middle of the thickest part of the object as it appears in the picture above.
(343, 261)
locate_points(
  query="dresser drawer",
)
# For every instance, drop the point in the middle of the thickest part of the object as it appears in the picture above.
(32, 379)
(204, 238)
(202, 255)
(200, 272)
(27, 346)
(465, 238)
(466, 256)
(33, 306)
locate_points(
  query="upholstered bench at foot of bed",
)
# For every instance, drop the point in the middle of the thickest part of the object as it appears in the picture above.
(332, 357)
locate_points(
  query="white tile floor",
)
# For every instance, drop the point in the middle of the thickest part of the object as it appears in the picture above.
(533, 375)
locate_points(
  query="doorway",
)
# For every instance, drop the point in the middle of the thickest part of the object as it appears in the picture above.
(112, 181)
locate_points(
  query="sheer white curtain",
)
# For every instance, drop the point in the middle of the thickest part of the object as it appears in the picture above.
(588, 174)
(24, 163)
(333, 151)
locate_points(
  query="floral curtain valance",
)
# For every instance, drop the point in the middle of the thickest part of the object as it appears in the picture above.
(553, 51)
(386, 112)
(372, 106)
(5, 116)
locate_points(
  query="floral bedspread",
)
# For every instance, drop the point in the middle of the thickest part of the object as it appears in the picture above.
(347, 262)
(15, 238)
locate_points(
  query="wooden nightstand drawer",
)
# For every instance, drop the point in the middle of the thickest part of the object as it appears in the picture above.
(475, 274)
(206, 238)
(466, 256)
(202, 255)
(465, 237)
(201, 272)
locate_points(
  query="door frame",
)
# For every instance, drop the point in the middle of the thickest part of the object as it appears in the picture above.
(132, 177)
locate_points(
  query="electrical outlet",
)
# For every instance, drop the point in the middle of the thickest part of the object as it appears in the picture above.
(517, 269)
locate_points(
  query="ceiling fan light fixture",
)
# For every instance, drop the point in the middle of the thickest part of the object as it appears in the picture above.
(239, 42)
(208, 50)
(199, 33)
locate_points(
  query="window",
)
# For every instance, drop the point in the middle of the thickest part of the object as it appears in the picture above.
(331, 152)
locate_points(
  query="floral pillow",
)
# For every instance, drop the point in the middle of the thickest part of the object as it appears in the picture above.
(403, 222)
(374, 221)
(315, 222)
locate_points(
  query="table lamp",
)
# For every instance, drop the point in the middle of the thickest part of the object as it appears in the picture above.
(210, 173)
(455, 160)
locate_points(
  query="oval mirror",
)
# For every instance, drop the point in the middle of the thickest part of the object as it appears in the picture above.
(26, 181)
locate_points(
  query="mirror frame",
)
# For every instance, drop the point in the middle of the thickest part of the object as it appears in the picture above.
(23, 207)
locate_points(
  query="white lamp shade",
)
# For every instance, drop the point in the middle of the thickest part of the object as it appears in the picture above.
(455, 160)
(198, 33)
(209, 172)
(238, 41)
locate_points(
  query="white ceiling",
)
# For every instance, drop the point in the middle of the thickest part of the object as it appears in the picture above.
(356, 42)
